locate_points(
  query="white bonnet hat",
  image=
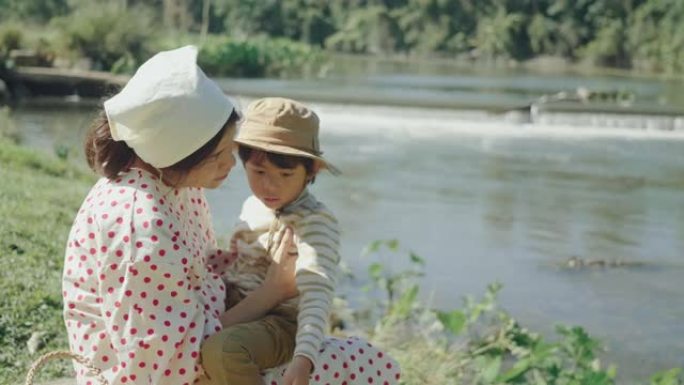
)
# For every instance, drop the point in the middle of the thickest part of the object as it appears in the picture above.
(168, 109)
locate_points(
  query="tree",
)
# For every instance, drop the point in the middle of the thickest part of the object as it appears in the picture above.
(498, 35)
(656, 35)
(34, 10)
(367, 30)
(436, 25)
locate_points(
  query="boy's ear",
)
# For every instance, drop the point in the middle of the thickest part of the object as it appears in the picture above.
(316, 168)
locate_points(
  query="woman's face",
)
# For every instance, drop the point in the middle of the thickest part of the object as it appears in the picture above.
(212, 171)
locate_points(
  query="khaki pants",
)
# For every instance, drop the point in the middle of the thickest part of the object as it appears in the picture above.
(237, 355)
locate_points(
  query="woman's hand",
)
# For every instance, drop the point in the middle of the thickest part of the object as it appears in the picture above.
(280, 277)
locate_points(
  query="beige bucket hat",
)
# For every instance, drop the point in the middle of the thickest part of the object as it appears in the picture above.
(283, 126)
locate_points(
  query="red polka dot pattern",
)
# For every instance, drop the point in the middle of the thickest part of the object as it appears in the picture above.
(140, 291)
(336, 367)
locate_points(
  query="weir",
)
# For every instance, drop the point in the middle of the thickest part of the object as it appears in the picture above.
(28, 85)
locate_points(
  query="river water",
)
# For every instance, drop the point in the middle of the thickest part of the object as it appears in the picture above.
(482, 199)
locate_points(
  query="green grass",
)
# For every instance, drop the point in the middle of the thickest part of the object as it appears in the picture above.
(39, 196)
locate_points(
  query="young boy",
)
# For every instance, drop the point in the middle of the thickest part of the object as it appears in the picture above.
(278, 145)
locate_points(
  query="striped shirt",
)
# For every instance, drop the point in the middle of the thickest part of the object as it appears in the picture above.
(317, 241)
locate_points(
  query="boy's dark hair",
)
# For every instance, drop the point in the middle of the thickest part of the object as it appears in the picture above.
(108, 157)
(279, 160)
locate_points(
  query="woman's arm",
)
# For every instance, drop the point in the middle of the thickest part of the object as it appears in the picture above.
(278, 286)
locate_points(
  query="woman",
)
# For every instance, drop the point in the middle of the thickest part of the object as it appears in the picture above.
(141, 285)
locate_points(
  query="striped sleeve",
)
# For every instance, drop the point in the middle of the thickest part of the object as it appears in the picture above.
(317, 241)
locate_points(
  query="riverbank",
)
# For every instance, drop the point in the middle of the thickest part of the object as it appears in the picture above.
(30, 82)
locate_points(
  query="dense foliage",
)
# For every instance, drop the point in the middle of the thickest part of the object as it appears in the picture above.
(622, 33)
(641, 34)
(117, 36)
(257, 57)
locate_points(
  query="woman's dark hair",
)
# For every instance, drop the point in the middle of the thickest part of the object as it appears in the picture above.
(279, 160)
(105, 155)
(109, 157)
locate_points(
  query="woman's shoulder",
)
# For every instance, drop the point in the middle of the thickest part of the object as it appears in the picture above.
(135, 194)
(126, 183)
(137, 180)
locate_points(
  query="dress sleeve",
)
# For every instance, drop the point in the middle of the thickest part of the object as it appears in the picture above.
(317, 241)
(151, 305)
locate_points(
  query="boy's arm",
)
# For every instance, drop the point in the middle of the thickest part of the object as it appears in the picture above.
(317, 243)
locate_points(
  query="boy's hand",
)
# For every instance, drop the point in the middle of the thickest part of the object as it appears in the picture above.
(298, 371)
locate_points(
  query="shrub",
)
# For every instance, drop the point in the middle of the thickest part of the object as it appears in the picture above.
(224, 56)
(8, 129)
(113, 38)
(11, 37)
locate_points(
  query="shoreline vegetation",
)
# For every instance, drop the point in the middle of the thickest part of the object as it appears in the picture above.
(479, 343)
(80, 42)
(292, 38)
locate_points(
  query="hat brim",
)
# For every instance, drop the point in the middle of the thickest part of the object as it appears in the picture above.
(287, 150)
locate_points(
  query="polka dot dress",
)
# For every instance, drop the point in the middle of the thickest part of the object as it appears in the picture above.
(139, 296)
(347, 362)
(142, 290)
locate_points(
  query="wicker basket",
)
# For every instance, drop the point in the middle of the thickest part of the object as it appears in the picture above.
(64, 354)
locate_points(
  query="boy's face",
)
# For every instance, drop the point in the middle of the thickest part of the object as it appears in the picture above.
(274, 186)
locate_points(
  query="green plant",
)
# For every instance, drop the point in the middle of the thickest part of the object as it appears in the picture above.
(399, 286)
(11, 37)
(62, 151)
(479, 343)
(8, 129)
(668, 377)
